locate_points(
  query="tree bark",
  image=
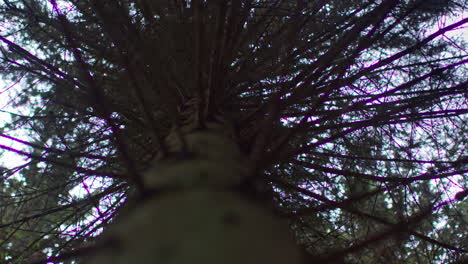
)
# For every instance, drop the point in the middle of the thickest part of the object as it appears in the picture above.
(200, 218)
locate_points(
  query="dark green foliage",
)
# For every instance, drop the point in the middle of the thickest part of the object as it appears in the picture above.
(352, 115)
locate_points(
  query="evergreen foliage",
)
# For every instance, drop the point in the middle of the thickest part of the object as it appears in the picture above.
(350, 117)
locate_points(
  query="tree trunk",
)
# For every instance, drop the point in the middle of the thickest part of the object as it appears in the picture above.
(199, 218)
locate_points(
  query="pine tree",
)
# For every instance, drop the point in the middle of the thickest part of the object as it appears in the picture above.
(174, 131)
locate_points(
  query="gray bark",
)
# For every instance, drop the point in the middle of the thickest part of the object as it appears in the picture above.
(202, 220)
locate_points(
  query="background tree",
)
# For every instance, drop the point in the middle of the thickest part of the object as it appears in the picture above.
(344, 117)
